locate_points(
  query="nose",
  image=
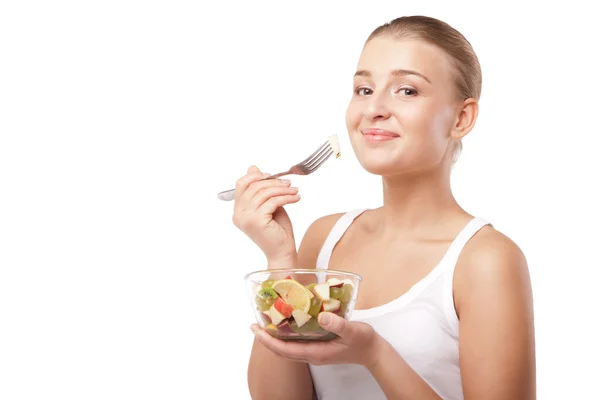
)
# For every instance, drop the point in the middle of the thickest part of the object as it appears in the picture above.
(378, 106)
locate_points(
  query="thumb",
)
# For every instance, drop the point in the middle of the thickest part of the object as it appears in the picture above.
(253, 168)
(335, 324)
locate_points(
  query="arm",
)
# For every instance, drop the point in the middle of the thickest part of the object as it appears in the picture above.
(268, 373)
(267, 368)
(494, 303)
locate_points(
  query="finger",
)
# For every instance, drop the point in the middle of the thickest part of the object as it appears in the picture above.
(335, 324)
(268, 193)
(271, 205)
(257, 186)
(242, 184)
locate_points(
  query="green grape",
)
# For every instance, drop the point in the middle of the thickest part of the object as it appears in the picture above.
(264, 306)
(269, 301)
(343, 309)
(311, 326)
(346, 293)
(335, 293)
(267, 284)
(315, 307)
(260, 303)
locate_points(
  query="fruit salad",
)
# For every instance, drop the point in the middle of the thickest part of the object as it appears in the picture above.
(290, 310)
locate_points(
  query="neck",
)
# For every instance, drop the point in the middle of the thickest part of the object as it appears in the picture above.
(417, 199)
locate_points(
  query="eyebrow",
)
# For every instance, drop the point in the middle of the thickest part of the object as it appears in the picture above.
(397, 72)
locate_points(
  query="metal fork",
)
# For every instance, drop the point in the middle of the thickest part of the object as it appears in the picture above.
(306, 167)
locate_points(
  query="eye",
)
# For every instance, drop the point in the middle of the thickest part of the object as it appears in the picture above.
(363, 91)
(408, 91)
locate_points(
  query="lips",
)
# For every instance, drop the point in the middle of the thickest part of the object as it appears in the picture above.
(379, 132)
(376, 135)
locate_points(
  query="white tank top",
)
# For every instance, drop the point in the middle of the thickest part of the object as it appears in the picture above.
(421, 325)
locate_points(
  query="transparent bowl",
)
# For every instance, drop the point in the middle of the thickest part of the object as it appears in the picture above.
(287, 302)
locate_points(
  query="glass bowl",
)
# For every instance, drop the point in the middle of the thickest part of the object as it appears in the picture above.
(287, 302)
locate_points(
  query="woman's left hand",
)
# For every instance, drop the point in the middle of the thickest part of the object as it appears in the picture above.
(358, 343)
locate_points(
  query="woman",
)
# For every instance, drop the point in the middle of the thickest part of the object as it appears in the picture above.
(430, 269)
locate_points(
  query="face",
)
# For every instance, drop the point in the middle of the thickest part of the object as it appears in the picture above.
(403, 108)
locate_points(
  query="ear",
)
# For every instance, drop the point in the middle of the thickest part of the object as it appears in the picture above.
(465, 119)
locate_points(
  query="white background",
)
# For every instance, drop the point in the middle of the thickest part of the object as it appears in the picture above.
(121, 274)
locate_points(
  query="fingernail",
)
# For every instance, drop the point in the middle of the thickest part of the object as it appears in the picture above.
(324, 319)
(253, 329)
(295, 189)
(285, 181)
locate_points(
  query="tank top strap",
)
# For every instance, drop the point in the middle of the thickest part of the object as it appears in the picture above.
(336, 233)
(453, 252)
(449, 265)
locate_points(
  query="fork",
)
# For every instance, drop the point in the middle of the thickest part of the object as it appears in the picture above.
(306, 167)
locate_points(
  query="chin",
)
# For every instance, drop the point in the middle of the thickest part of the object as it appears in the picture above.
(382, 167)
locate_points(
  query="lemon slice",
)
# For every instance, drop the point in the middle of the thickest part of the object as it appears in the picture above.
(293, 293)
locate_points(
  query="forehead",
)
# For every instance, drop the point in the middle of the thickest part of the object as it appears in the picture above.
(384, 54)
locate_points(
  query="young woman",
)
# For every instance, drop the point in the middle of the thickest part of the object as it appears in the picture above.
(445, 305)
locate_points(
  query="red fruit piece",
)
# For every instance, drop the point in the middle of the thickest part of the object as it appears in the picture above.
(266, 317)
(289, 277)
(284, 308)
(285, 327)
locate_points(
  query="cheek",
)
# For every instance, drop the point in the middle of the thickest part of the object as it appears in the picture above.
(429, 125)
(441, 123)
(426, 128)
(353, 115)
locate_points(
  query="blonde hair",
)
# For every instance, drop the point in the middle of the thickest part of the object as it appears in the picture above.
(467, 70)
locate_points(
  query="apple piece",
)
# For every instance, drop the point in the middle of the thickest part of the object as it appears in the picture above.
(266, 317)
(284, 327)
(276, 316)
(334, 282)
(300, 317)
(335, 145)
(289, 277)
(284, 308)
(348, 282)
(321, 290)
(331, 305)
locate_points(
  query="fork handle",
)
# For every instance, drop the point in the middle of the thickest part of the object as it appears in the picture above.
(229, 195)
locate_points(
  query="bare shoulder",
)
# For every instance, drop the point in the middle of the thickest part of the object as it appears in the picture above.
(490, 258)
(314, 238)
(494, 303)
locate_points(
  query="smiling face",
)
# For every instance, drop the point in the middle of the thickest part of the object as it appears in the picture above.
(404, 108)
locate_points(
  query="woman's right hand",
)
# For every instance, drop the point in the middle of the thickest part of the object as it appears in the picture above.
(259, 213)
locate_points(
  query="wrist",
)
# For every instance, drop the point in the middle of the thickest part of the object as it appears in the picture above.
(283, 262)
(378, 350)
